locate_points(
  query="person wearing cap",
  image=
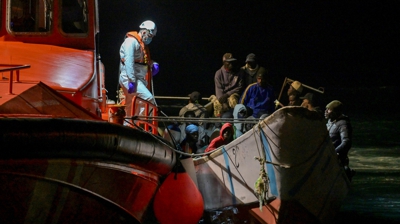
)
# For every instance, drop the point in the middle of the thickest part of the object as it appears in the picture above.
(340, 132)
(195, 106)
(228, 85)
(259, 97)
(199, 112)
(136, 66)
(311, 103)
(252, 69)
(294, 91)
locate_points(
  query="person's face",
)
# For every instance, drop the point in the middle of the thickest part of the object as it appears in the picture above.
(328, 113)
(261, 81)
(146, 35)
(305, 103)
(292, 100)
(251, 64)
(230, 66)
(227, 134)
(194, 136)
(242, 114)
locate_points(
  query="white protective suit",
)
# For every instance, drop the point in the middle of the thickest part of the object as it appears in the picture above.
(130, 71)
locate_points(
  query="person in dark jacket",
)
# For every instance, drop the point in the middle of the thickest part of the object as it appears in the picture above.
(189, 143)
(340, 132)
(252, 69)
(228, 85)
(310, 102)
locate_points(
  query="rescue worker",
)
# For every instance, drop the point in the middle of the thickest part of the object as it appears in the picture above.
(136, 66)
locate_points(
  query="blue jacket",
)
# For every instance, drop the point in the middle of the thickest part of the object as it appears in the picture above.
(259, 99)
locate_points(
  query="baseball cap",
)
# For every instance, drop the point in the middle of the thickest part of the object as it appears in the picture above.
(195, 96)
(228, 57)
(251, 57)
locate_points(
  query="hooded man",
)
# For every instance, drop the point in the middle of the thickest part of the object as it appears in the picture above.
(188, 144)
(225, 136)
(240, 112)
(136, 66)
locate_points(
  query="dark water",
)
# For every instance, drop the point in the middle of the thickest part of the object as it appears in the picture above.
(374, 196)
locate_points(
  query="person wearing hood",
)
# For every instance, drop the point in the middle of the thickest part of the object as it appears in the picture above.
(240, 112)
(228, 85)
(225, 137)
(136, 66)
(340, 132)
(189, 144)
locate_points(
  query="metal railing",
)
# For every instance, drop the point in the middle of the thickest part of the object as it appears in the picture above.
(11, 68)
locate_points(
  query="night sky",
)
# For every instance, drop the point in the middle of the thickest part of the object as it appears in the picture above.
(325, 44)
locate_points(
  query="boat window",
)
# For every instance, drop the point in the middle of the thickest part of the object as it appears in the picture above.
(74, 16)
(30, 15)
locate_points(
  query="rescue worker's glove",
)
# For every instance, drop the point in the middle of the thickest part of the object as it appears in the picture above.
(223, 98)
(132, 87)
(155, 68)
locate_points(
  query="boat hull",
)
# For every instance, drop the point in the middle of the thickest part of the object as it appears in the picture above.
(79, 170)
(302, 167)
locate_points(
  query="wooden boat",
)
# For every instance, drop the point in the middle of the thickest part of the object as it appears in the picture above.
(64, 155)
(301, 170)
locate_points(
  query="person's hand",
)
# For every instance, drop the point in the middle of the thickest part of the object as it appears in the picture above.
(223, 98)
(277, 104)
(155, 68)
(132, 87)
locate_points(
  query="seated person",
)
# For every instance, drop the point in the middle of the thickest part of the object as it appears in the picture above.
(294, 91)
(228, 85)
(203, 137)
(225, 137)
(199, 110)
(189, 144)
(172, 133)
(240, 112)
(259, 97)
(311, 103)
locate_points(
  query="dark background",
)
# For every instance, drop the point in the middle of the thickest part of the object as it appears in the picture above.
(336, 45)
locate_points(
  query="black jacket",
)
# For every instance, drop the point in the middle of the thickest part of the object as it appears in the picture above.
(341, 133)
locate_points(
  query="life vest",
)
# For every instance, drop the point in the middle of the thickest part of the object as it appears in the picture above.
(146, 56)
